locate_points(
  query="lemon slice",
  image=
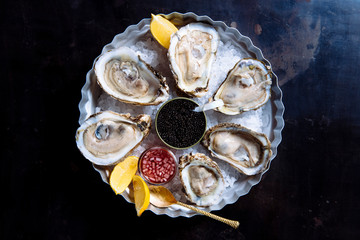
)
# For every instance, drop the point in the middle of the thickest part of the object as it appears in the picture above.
(141, 195)
(123, 173)
(162, 29)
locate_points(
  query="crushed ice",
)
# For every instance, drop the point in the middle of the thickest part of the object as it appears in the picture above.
(155, 55)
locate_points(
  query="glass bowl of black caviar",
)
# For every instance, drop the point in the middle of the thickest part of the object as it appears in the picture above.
(178, 125)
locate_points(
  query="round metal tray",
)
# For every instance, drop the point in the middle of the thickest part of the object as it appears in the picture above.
(273, 110)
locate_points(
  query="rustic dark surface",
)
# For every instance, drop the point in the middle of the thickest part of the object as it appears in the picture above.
(50, 191)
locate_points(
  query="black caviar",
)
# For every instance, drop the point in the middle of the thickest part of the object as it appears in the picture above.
(178, 125)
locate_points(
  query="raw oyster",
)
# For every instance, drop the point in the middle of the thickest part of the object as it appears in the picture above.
(191, 54)
(127, 78)
(247, 151)
(201, 178)
(246, 87)
(106, 137)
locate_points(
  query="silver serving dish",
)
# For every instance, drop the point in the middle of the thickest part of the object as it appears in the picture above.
(273, 110)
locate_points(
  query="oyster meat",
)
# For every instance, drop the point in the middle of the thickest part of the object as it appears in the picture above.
(191, 54)
(126, 77)
(246, 87)
(106, 137)
(201, 179)
(247, 151)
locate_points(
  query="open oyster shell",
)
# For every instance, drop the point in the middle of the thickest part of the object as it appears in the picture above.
(126, 77)
(191, 54)
(201, 178)
(246, 87)
(106, 137)
(247, 151)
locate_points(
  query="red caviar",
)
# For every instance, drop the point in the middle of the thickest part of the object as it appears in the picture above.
(157, 165)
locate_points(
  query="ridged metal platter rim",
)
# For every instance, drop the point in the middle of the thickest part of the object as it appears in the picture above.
(89, 96)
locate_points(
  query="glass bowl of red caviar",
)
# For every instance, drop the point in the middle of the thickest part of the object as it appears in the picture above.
(157, 165)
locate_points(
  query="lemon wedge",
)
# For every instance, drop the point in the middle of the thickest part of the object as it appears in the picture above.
(141, 195)
(162, 29)
(123, 173)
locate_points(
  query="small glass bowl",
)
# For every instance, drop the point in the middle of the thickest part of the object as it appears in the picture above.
(157, 165)
(157, 130)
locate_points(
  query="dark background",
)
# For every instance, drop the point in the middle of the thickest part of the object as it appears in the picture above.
(50, 191)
